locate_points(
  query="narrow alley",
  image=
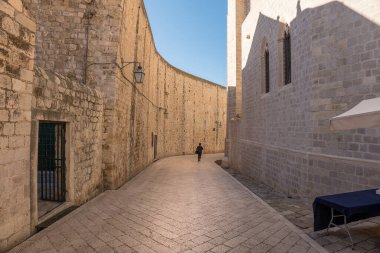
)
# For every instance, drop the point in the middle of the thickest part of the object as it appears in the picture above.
(175, 205)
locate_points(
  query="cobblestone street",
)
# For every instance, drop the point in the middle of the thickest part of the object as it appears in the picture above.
(176, 205)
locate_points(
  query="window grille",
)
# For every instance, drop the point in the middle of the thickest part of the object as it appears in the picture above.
(51, 161)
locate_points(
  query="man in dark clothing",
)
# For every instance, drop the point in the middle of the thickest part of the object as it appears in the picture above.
(199, 151)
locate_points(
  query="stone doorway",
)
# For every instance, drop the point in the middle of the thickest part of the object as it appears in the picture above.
(51, 166)
(155, 139)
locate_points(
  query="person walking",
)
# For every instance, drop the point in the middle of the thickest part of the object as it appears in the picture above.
(199, 151)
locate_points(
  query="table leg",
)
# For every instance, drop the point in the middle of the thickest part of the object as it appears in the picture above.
(335, 225)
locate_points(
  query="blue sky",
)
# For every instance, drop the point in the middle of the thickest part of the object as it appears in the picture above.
(191, 35)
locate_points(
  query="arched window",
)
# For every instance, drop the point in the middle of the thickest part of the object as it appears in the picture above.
(287, 57)
(266, 67)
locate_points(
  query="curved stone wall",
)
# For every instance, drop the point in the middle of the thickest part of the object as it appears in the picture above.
(181, 109)
(90, 41)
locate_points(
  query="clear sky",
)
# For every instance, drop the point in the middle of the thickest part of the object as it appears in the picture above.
(191, 35)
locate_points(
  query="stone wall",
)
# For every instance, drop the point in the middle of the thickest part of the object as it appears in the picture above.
(55, 18)
(346, 70)
(17, 31)
(180, 108)
(284, 138)
(83, 78)
(59, 99)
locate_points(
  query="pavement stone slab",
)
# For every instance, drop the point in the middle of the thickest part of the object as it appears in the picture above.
(365, 233)
(176, 205)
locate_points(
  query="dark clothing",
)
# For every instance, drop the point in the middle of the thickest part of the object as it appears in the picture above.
(199, 149)
(199, 152)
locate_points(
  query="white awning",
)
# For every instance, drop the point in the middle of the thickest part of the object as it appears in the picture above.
(366, 114)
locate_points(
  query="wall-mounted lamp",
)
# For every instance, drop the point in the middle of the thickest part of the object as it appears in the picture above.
(138, 73)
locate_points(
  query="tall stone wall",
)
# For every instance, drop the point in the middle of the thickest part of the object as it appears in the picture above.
(180, 108)
(17, 31)
(284, 138)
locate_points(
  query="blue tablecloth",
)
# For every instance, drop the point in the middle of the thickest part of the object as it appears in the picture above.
(354, 205)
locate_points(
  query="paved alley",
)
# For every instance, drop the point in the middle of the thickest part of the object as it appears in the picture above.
(175, 205)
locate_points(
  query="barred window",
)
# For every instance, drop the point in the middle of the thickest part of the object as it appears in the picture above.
(287, 57)
(266, 65)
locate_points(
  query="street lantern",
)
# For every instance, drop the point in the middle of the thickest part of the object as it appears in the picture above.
(139, 74)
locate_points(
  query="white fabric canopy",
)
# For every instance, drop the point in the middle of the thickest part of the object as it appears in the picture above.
(366, 114)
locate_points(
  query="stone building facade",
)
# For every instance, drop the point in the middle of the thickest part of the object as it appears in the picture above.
(69, 64)
(17, 41)
(282, 137)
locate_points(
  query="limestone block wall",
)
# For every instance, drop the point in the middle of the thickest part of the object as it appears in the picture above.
(59, 99)
(281, 116)
(283, 138)
(97, 48)
(181, 109)
(17, 32)
(346, 70)
(55, 18)
(79, 39)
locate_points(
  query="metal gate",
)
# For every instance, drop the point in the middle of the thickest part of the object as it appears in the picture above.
(51, 161)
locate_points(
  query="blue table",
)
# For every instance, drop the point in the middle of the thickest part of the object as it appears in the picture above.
(340, 209)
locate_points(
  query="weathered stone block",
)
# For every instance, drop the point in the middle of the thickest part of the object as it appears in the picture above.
(6, 8)
(8, 129)
(374, 148)
(11, 26)
(16, 141)
(2, 98)
(13, 70)
(19, 115)
(23, 128)
(18, 85)
(2, 66)
(5, 81)
(26, 75)
(17, 4)
(26, 22)
(12, 100)
(6, 229)
(4, 115)
(3, 145)
(3, 38)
